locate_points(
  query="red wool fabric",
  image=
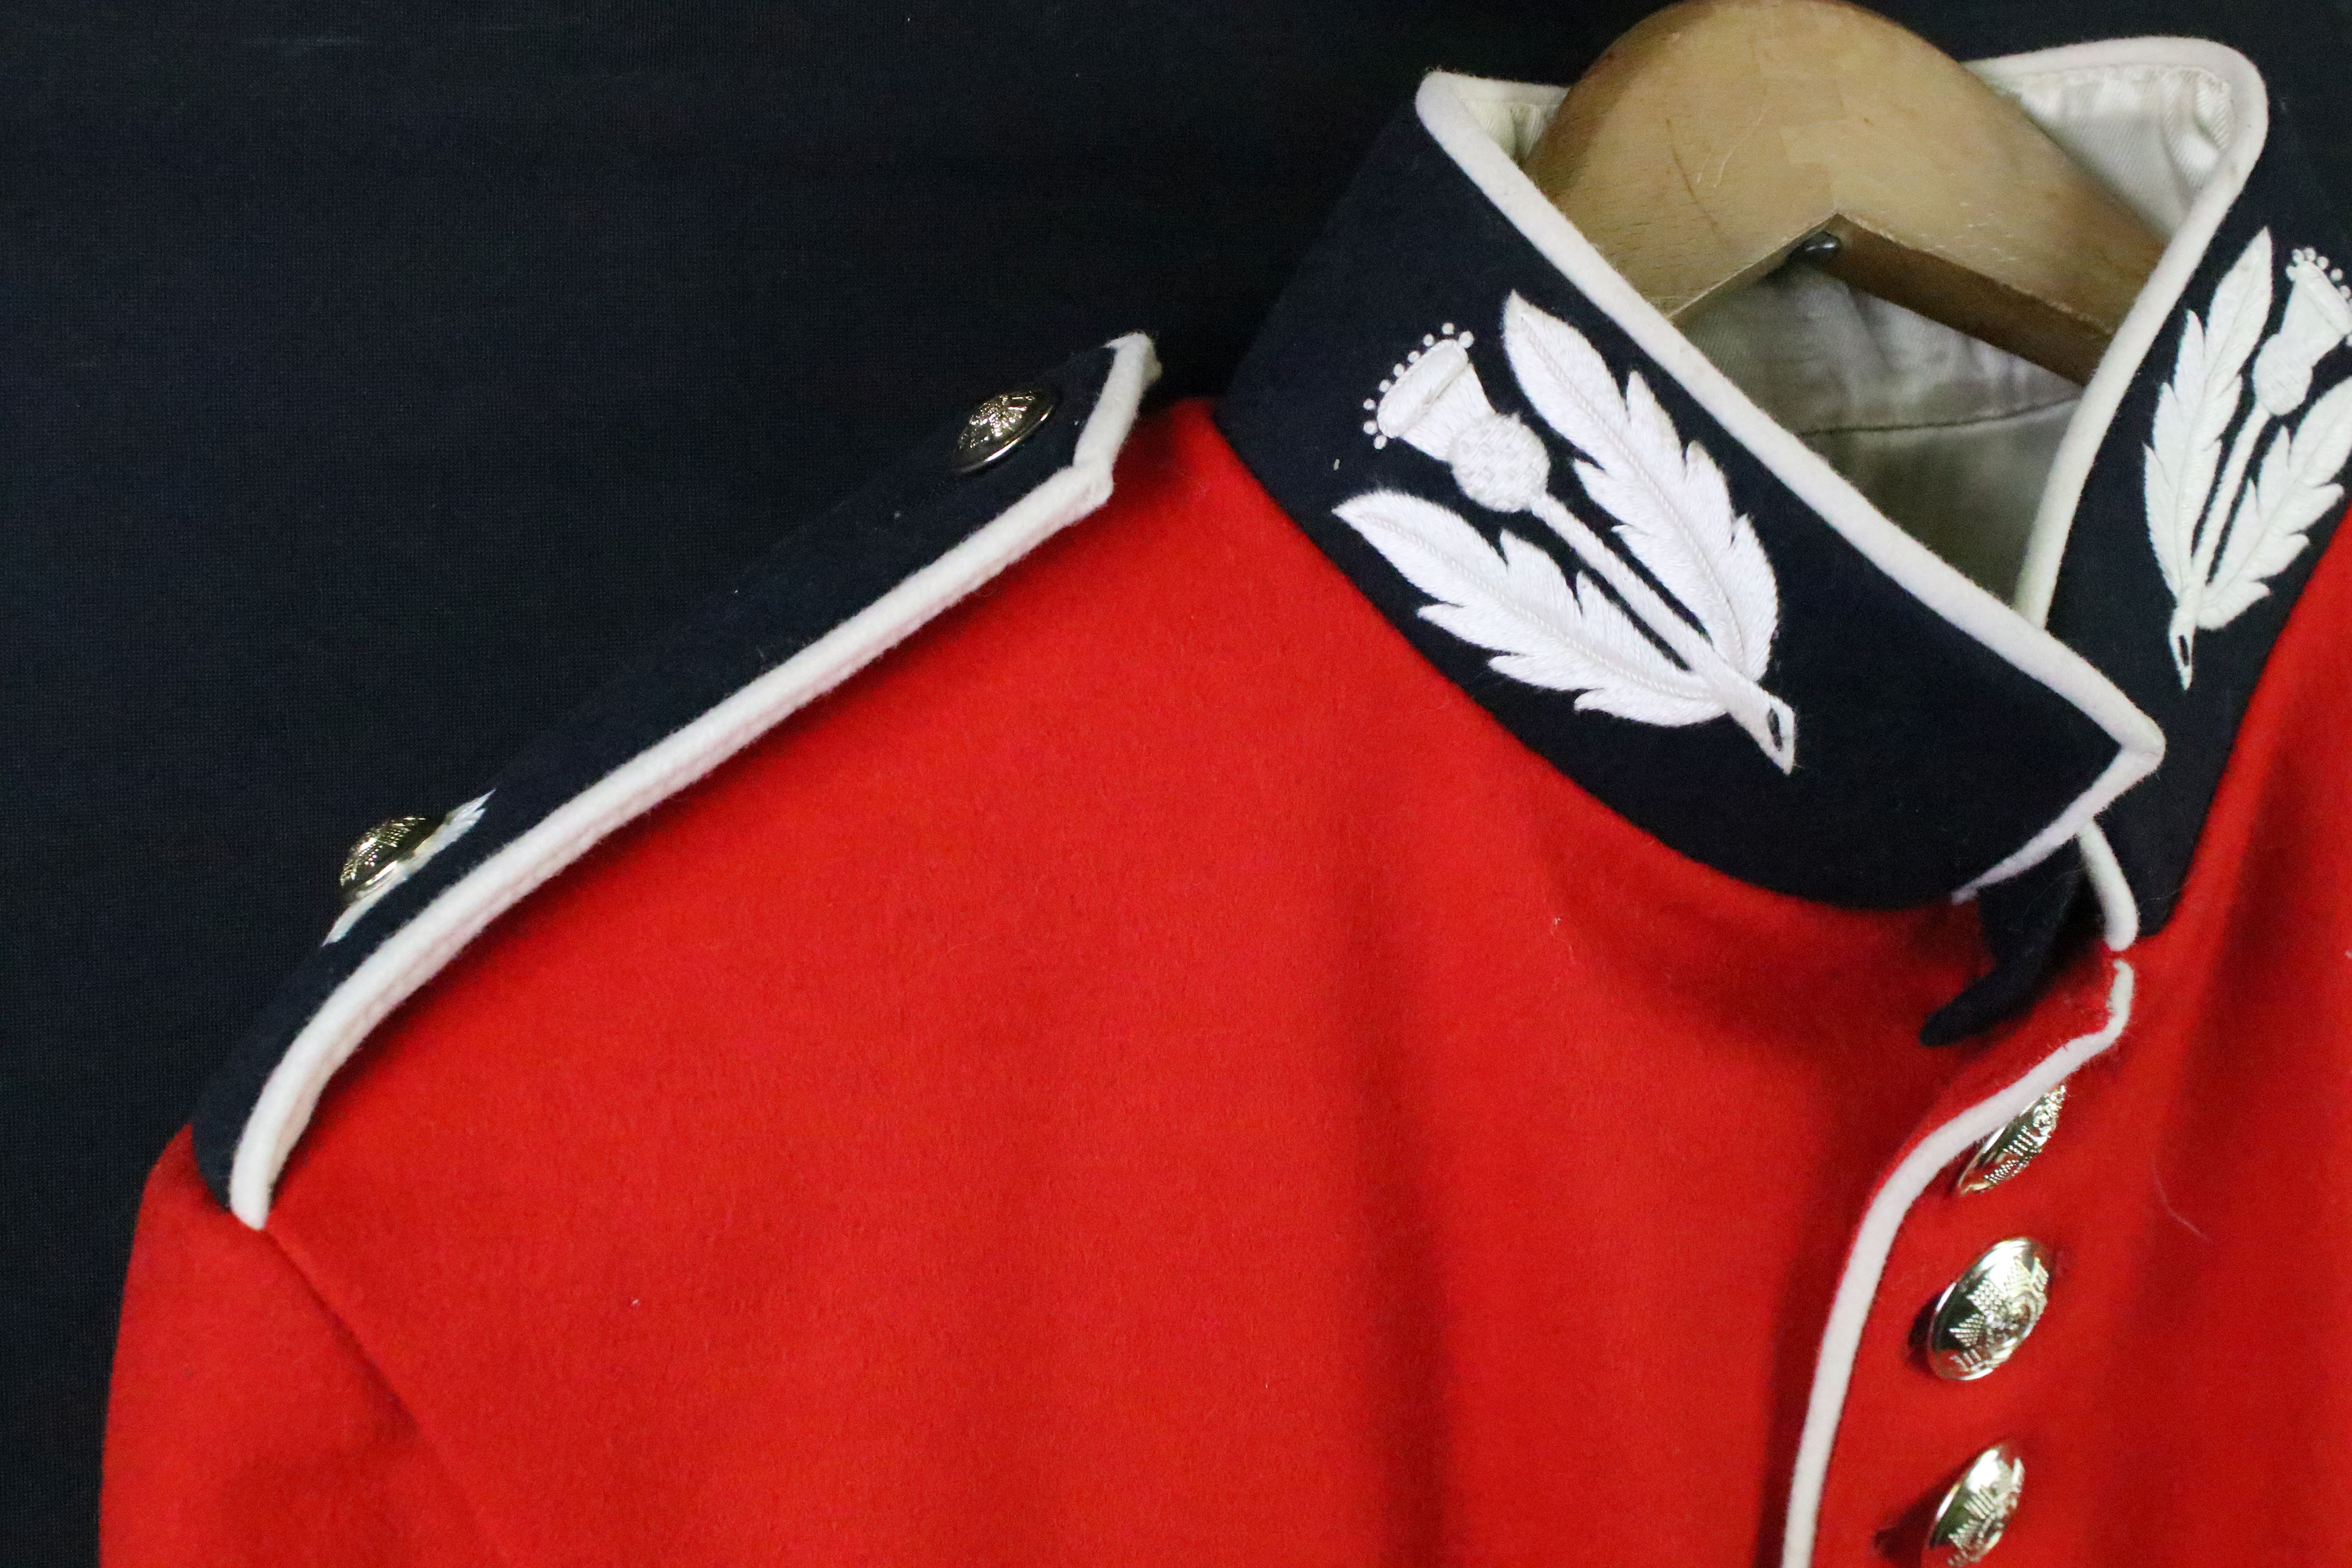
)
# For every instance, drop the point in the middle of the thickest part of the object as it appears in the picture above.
(1152, 1073)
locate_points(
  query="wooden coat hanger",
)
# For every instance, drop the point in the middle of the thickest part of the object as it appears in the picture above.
(1718, 137)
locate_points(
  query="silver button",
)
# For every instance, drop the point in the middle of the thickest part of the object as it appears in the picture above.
(1000, 424)
(378, 851)
(1970, 1519)
(2010, 1150)
(1984, 1315)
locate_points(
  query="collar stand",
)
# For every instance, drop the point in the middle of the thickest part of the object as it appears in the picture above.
(1700, 574)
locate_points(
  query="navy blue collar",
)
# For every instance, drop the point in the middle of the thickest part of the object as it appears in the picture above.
(1571, 512)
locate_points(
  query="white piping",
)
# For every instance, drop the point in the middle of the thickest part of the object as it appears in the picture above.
(1858, 1287)
(2126, 770)
(2037, 581)
(2120, 367)
(1443, 106)
(2118, 909)
(410, 956)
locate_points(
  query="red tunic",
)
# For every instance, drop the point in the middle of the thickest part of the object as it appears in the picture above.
(1155, 1072)
(1157, 1076)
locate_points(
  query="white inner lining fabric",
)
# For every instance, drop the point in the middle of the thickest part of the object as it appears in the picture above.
(1952, 438)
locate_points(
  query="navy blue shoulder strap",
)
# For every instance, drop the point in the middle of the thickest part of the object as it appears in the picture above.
(831, 597)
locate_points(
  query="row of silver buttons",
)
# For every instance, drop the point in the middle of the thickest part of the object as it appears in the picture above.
(1977, 1324)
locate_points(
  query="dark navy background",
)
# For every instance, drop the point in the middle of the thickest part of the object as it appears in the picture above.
(2111, 602)
(821, 574)
(376, 380)
(1922, 759)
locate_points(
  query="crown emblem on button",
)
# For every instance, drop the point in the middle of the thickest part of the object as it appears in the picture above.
(1984, 1315)
(999, 424)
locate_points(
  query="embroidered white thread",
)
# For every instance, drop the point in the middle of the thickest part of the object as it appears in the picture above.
(1673, 513)
(2218, 544)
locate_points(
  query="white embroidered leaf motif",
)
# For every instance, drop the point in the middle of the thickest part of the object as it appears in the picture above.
(2294, 487)
(2195, 408)
(1620, 637)
(2219, 541)
(1673, 510)
(1517, 603)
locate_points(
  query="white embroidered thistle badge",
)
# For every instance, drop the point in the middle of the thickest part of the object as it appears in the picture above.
(2219, 545)
(1635, 656)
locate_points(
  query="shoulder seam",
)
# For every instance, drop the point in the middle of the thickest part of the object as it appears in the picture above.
(367, 1358)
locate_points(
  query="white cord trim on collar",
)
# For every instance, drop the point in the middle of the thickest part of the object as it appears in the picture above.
(2062, 491)
(1857, 1288)
(1449, 107)
(419, 949)
(2119, 908)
